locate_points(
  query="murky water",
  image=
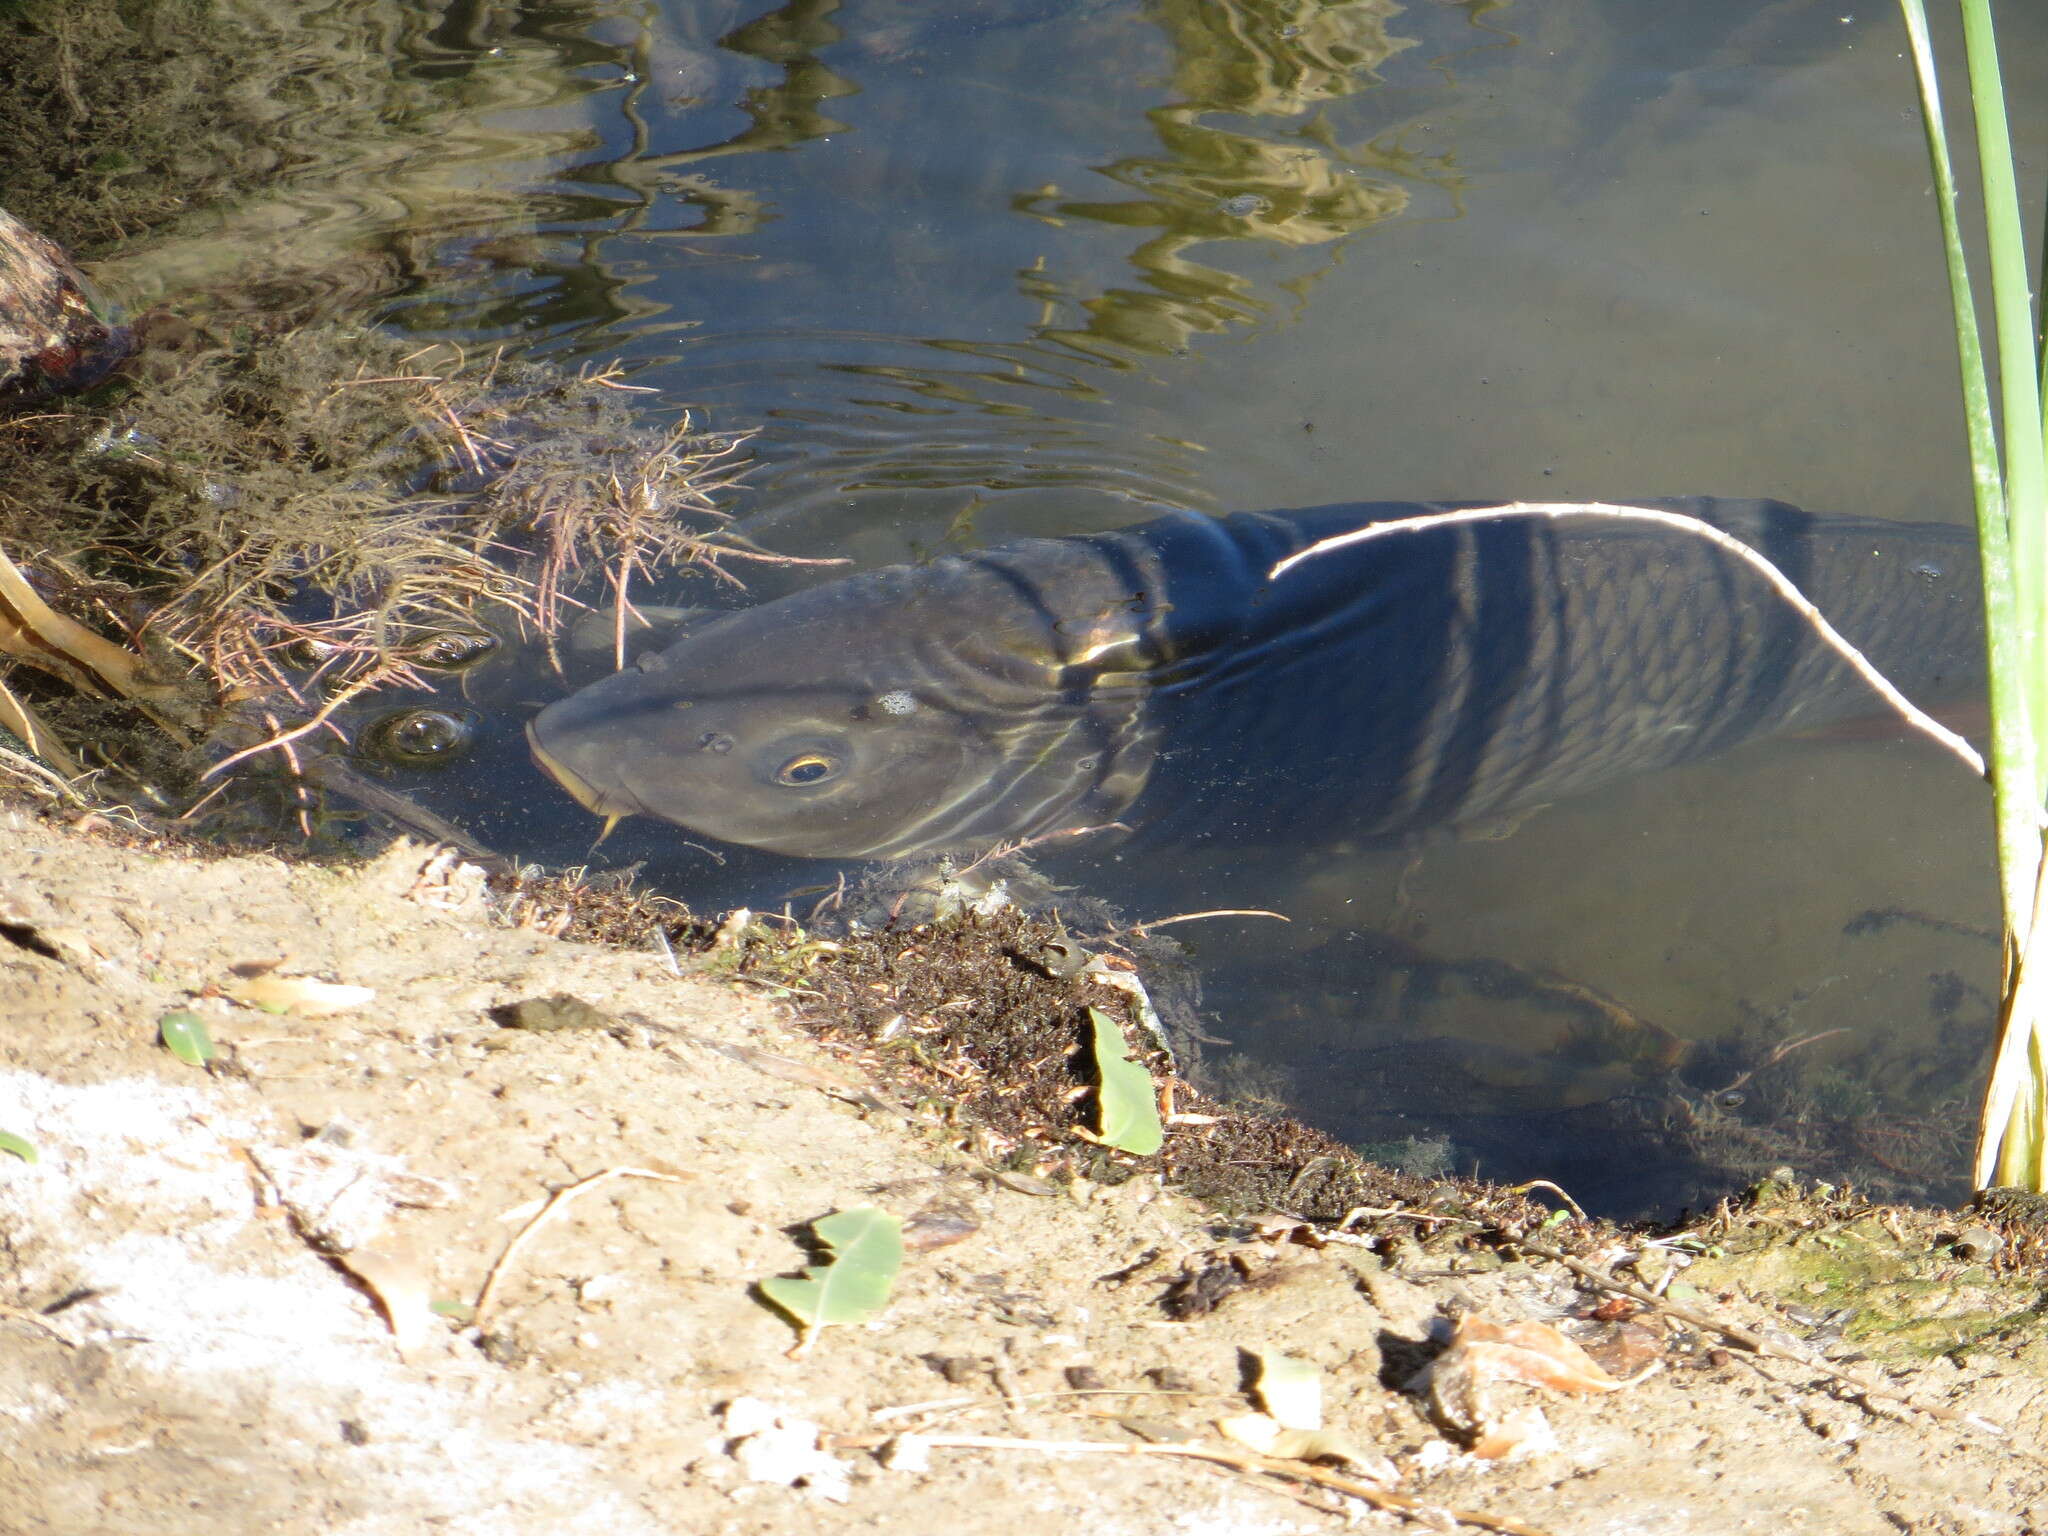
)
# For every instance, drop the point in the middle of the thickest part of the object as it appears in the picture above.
(1044, 268)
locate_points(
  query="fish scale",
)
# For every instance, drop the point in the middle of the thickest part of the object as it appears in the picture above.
(1158, 675)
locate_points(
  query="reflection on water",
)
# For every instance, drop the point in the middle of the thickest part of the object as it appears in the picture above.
(780, 115)
(1289, 184)
(394, 124)
(1028, 399)
(1038, 267)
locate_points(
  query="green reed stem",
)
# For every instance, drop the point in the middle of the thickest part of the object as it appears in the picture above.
(2012, 524)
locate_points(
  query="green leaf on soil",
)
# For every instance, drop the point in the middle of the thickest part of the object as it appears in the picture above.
(867, 1249)
(185, 1037)
(24, 1150)
(1127, 1101)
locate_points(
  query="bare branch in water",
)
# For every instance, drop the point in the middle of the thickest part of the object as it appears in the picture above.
(1189, 917)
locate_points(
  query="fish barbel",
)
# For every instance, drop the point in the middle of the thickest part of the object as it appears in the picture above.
(1158, 675)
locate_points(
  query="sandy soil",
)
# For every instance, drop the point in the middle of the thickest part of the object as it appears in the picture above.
(186, 1342)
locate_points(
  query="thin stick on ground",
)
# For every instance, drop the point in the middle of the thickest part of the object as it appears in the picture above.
(1914, 716)
(119, 671)
(1403, 1504)
(40, 778)
(37, 1320)
(556, 1202)
(17, 717)
(1556, 1189)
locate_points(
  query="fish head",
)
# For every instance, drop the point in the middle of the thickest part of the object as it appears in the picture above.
(843, 722)
(812, 770)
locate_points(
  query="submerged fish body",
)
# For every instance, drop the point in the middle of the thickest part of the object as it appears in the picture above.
(1157, 676)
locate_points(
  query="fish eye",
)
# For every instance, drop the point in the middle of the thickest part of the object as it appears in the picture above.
(807, 768)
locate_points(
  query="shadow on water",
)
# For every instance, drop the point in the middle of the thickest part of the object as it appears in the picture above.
(1042, 269)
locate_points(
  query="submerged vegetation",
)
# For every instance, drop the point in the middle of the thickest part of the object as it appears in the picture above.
(2011, 493)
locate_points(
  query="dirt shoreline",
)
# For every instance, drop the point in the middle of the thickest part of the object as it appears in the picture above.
(186, 1350)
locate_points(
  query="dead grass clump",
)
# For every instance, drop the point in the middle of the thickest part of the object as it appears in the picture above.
(631, 502)
(286, 518)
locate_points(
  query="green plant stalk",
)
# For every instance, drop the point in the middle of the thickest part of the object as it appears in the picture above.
(2013, 1128)
(2026, 471)
(2015, 760)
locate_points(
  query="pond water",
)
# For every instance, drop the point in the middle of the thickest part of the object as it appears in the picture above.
(1033, 268)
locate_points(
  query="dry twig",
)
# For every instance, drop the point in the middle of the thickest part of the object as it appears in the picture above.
(1189, 917)
(556, 1201)
(37, 1320)
(1403, 1504)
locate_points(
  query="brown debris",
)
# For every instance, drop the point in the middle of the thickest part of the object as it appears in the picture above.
(961, 1015)
(1483, 1355)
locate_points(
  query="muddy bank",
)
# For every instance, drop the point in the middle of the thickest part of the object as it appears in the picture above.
(186, 1338)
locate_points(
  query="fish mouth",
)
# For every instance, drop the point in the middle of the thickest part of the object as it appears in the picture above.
(591, 798)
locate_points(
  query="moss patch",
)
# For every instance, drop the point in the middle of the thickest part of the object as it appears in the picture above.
(1897, 1282)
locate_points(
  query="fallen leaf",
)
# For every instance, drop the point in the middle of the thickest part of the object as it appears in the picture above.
(1254, 1431)
(184, 1035)
(1104, 970)
(25, 1150)
(1522, 1432)
(867, 1250)
(938, 1229)
(1266, 1435)
(1127, 1103)
(303, 995)
(1531, 1352)
(1482, 1354)
(398, 1277)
